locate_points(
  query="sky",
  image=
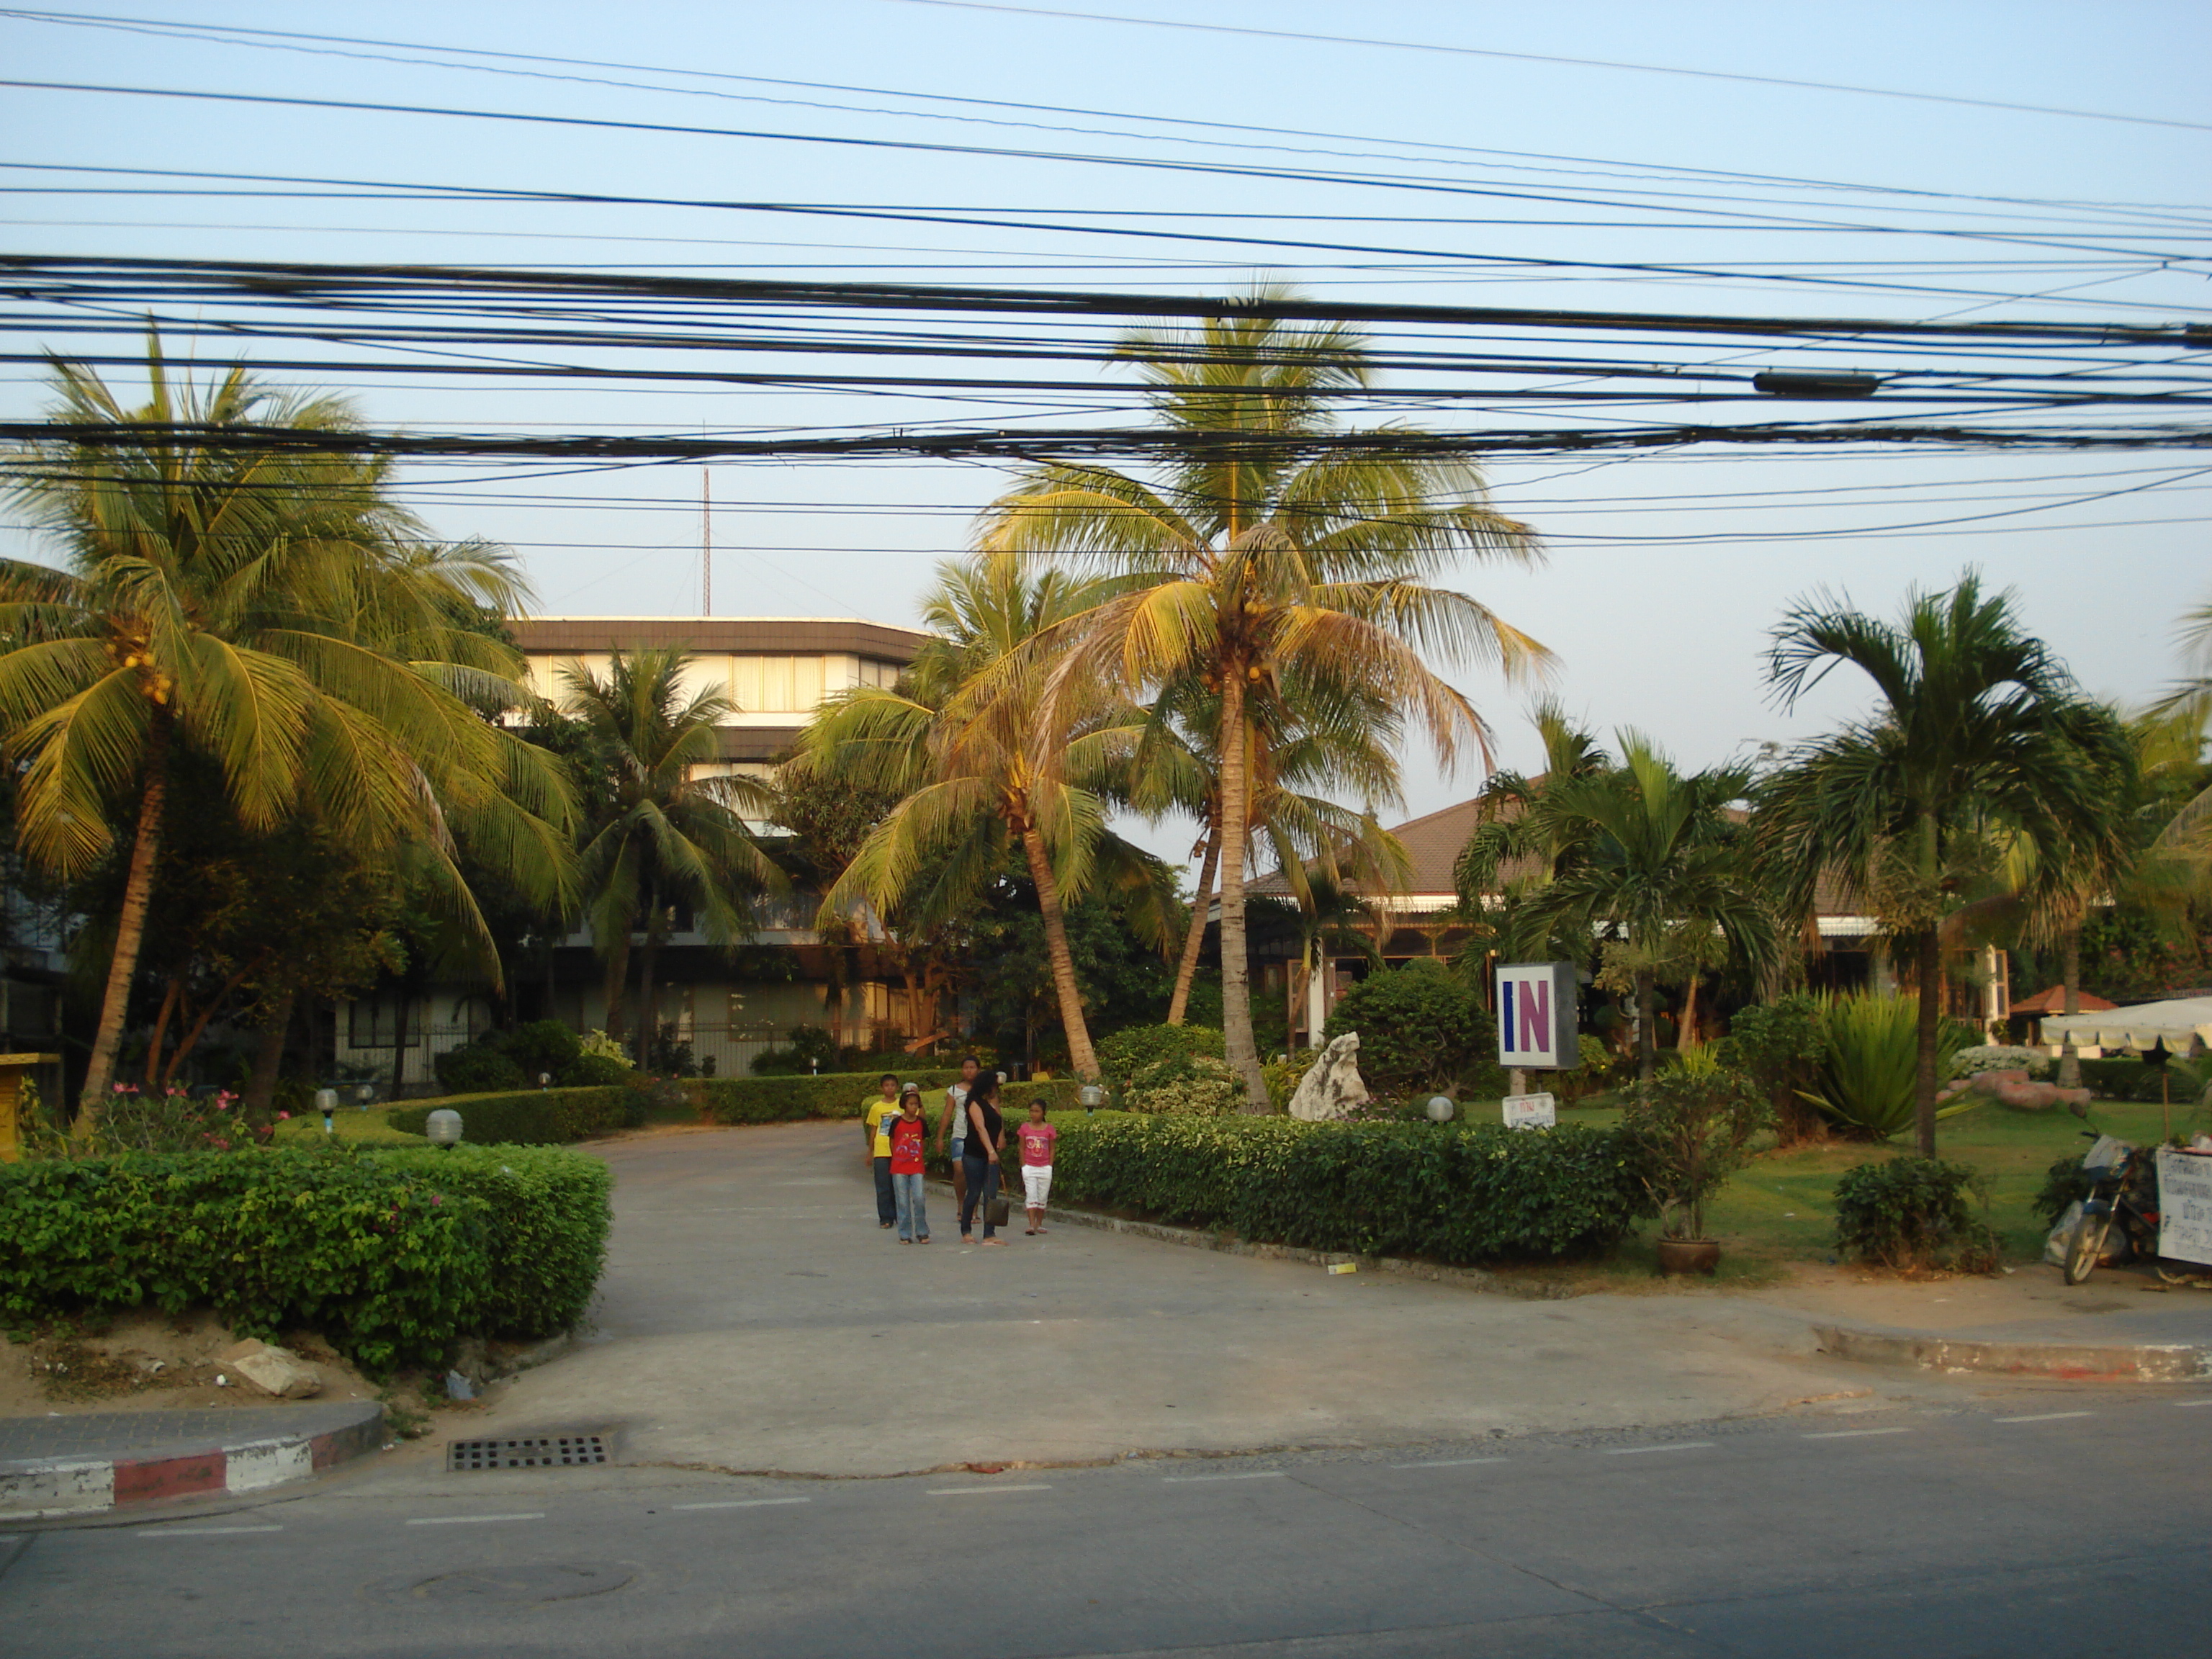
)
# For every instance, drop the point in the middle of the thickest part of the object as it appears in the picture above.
(1466, 165)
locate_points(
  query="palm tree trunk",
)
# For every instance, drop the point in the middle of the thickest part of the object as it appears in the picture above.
(1195, 940)
(1236, 993)
(618, 986)
(1931, 1014)
(2069, 956)
(1079, 1051)
(268, 1060)
(648, 1011)
(1685, 1034)
(162, 1029)
(1647, 1025)
(130, 927)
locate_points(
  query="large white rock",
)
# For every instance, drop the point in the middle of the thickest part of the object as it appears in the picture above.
(1332, 1084)
(278, 1372)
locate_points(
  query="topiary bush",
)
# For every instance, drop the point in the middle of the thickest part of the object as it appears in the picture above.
(1198, 1087)
(1136, 1049)
(1451, 1193)
(594, 1071)
(532, 1117)
(389, 1255)
(479, 1068)
(1908, 1212)
(2000, 1057)
(1420, 1029)
(543, 1046)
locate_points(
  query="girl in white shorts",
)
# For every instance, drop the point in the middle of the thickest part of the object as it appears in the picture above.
(1036, 1138)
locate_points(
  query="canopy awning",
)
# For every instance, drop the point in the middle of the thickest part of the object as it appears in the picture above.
(2183, 1025)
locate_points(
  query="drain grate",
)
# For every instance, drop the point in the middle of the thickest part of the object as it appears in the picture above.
(552, 1451)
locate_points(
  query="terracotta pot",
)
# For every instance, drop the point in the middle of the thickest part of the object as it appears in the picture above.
(1689, 1256)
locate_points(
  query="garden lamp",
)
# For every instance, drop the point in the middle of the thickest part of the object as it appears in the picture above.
(545, 1079)
(327, 1103)
(364, 1094)
(444, 1126)
(1441, 1108)
(1091, 1097)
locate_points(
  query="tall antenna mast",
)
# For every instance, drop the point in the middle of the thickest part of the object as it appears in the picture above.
(706, 545)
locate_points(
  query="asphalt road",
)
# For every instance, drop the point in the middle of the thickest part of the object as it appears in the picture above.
(2039, 1521)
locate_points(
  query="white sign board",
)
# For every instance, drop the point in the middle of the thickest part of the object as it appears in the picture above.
(1536, 1029)
(2184, 1204)
(1531, 1112)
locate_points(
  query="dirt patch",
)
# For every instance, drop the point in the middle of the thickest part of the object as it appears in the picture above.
(148, 1362)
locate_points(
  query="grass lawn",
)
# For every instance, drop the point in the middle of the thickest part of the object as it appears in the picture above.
(351, 1124)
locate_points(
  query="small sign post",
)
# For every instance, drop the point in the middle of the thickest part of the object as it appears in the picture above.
(1537, 1032)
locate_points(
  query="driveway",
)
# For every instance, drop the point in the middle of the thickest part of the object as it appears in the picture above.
(754, 1318)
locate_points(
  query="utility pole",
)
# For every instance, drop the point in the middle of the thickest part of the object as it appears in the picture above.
(706, 543)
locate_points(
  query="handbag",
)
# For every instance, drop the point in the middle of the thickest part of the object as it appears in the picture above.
(1001, 1211)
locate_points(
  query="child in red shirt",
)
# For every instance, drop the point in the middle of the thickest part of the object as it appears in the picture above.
(1036, 1138)
(909, 1139)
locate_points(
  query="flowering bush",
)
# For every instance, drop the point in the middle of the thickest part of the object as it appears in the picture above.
(168, 1120)
(2000, 1057)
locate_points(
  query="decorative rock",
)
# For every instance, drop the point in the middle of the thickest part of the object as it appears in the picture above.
(1332, 1086)
(277, 1372)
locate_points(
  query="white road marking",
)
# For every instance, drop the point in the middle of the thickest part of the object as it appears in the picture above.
(742, 1503)
(2184, 1404)
(1192, 1479)
(1448, 1463)
(970, 1492)
(196, 1532)
(2043, 1417)
(1678, 1445)
(468, 1520)
(1853, 1434)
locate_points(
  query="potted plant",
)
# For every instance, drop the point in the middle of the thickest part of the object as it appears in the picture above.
(1692, 1125)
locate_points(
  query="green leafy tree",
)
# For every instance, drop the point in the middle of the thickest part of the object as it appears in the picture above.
(1981, 733)
(1420, 1027)
(271, 612)
(1253, 562)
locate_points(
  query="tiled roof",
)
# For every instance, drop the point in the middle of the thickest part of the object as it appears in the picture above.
(743, 636)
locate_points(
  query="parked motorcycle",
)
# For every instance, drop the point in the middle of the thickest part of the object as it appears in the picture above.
(2123, 1193)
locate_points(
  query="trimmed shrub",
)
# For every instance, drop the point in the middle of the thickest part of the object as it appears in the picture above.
(2000, 1057)
(389, 1255)
(1447, 1192)
(1912, 1212)
(542, 1045)
(480, 1068)
(811, 1047)
(846, 1094)
(1196, 1086)
(532, 1117)
(594, 1071)
(1136, 1049)
(1420, 1029)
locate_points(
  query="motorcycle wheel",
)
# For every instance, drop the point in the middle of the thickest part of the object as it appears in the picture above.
(2085, 1246)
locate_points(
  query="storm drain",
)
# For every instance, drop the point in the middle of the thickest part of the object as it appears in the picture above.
(552, 1451)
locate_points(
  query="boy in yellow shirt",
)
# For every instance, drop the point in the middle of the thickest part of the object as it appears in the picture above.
(875, 1125)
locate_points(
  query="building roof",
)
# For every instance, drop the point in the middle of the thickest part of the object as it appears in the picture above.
(2050, 1001)
(1432, 844)
(740, 635)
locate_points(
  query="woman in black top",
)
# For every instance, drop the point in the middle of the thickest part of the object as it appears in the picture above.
(986, 1138)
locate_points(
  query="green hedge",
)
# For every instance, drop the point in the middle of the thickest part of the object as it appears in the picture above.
(1446, 1193)
(532, 1117)
(844, 1094)
(389, 1255)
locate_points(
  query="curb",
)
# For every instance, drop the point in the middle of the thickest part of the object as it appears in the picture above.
(44, 1488)
(2142, 1362)
(1469, 1278)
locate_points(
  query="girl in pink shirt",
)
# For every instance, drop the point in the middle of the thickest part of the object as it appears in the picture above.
(1036, 1137)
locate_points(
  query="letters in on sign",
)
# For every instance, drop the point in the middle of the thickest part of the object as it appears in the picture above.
(1536, 1027)
(2184, 1206)
(1530, 1112)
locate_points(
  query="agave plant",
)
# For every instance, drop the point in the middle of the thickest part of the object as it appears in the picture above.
(1871, 1064)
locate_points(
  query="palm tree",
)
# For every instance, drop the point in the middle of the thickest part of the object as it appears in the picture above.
(1261, 556)
(1981, 734)
(955, 741)
(667, 833)
(267, 612)
(1660, 866)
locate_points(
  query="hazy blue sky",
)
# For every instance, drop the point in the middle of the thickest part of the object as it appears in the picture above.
(1663, 634)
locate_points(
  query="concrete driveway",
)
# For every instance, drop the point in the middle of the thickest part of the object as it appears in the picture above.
(754, 1318)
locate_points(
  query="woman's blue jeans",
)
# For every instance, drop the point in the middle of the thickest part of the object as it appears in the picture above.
(983, 1186)
(913, 1219)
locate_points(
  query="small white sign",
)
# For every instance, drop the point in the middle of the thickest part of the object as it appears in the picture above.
(2184, 1204)
(1531, 1112)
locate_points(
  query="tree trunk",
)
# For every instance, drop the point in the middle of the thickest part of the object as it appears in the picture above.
(129, 928)
(169, 1000)
(268, 1060)
(1195, 940)
(1647, 1025)
(1931, 1015)
(1079, 1051)
(399, 1043)
(648, 1010)
(1236, 991)
(2069, 956)
(1685, 1033)
(618, 981)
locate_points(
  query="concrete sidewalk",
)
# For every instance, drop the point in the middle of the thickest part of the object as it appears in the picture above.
(754, 1318)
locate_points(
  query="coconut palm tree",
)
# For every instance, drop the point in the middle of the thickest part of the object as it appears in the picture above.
(269, 612)
(956, 741)
(1981, 735)
(1660, 868)
(1262, 555)
(668, 834)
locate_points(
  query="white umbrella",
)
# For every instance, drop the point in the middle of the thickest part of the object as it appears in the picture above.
(2184, 1025)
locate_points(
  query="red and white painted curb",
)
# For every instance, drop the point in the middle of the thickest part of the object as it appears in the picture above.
(41, 1488)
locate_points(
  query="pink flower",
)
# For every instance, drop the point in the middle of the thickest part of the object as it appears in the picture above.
(281, 1116)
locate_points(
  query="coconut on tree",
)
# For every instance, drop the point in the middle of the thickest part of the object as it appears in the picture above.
(1274, 544)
